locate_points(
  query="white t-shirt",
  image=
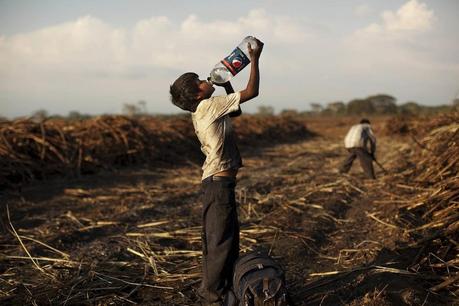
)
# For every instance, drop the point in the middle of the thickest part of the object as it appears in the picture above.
(215, 132)
(359, 135)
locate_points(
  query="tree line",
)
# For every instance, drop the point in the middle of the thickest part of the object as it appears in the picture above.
(381, 104)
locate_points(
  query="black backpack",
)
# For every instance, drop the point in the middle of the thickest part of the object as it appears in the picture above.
(259, 281)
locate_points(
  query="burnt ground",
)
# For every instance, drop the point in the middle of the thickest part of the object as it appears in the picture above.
(132, 236)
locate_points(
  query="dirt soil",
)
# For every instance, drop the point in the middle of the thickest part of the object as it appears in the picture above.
(132, 236)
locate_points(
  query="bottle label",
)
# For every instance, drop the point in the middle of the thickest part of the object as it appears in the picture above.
(236, 61)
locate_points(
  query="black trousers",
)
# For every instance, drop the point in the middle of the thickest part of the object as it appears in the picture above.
(366, 161)
(220, 237)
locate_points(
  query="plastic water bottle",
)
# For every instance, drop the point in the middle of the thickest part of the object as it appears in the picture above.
(233, 63)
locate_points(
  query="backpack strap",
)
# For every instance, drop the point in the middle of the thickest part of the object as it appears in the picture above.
(265, 285)
(266, 289)
(266, 292)
(261, 263)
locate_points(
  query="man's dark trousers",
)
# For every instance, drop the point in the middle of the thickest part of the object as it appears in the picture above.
(220, 237)
(365, 158)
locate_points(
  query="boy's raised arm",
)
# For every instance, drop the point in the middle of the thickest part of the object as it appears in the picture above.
(228, 88)
(251, 91)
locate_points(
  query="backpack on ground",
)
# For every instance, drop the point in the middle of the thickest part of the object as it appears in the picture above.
(259, 281)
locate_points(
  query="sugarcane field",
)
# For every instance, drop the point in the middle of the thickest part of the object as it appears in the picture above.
(107, 211)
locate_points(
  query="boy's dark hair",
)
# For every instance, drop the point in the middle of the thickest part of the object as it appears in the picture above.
(365, 120)
(185, 90)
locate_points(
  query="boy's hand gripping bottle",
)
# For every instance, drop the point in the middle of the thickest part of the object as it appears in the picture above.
(233, 63)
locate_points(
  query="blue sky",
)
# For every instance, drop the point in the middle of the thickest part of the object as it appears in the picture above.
(94, 56)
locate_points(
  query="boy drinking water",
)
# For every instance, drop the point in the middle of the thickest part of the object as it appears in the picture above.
(210, 115)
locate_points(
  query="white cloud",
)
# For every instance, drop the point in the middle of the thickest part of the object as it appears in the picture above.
(411, 18)
(393, 41)
(397, 47)
(89, 44)
(80, 45)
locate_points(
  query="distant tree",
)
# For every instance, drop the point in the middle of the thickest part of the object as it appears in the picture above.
(75, 115)
(143, 106)
(456, 104)
(40, 115)
(360, 107)
(135, 109)
(131, 110)
(383, 104)
(316, 107)
(56, 116)
(437, 109)
(265, 110)
(336, 108)
(410, 108)
(289, 112)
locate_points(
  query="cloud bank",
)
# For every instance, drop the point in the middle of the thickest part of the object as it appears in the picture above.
(91, 45)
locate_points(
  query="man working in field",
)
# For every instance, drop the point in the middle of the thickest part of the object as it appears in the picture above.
(356, 142)
(210, 115)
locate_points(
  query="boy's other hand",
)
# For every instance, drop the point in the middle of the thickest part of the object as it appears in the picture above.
(256, 52)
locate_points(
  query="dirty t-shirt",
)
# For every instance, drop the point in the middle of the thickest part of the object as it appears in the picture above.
(215, 132)
(359, 135)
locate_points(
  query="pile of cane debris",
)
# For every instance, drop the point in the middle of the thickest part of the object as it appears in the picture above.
(416, 125)
(39, 150)
(434, 208)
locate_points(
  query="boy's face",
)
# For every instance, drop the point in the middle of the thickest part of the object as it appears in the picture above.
(205, 89)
